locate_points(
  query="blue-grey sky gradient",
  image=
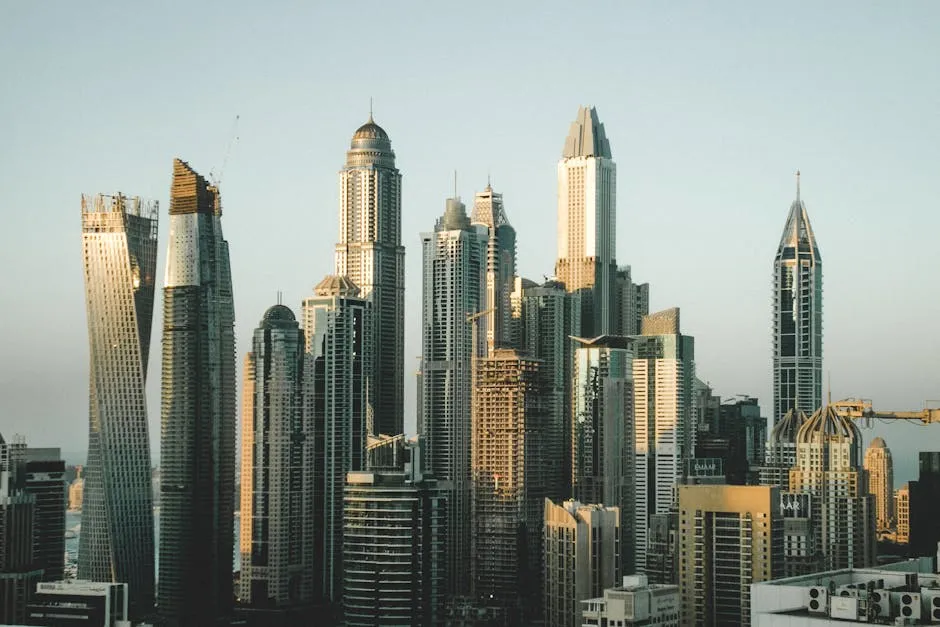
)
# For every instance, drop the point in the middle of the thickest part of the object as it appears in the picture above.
(709, 107)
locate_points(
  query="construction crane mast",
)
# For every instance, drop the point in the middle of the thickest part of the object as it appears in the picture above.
(857, 408)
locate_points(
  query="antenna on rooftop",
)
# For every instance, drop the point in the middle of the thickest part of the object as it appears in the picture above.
(797, 186)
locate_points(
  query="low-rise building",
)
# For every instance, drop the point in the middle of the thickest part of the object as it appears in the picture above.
(636, 602)
(78, 602)
(904, 593)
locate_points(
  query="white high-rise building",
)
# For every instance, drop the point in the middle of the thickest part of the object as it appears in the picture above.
(370, 253)
(829, 468)
(488, 212)
(581, 558)
(587, 224)
(454, 259)
(119, 245)
(880, 469)
(663, 372)
(797, 316)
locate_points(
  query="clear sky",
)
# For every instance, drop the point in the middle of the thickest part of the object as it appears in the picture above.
(709, 107)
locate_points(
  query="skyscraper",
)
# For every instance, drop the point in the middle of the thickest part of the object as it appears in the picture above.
(581, 558)
(489, 213)
(337, 327)
(780, 455)
(880, 469)
(732, 536)
(45, 480)
(797, 316)
(453, 287)
(633, 302)
(923, 501)
(902, 499)
(663, 372)
(393, 534)
(508, 463)
(119, 246)
(829, 468)
(587, 221)
(602, 432)
(276, 522)
(370, 253)
(19, 571)
(549, 318)
(198, 411)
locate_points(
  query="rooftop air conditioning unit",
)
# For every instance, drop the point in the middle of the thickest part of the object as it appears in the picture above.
(908, 604)
(930, 605)
(880, 601)
(817, 600)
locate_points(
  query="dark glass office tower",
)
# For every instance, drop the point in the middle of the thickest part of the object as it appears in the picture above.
(797, 328)
(119, 245)
(197, 488)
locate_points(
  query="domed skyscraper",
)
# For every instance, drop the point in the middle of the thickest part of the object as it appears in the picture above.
(780, 455)
(369, 253)
(829, 469)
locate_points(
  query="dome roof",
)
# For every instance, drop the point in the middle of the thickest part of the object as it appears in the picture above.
(336, 285)
(878, 443)
(784, 432)
(370, 130)
(278, 313)
(827, 425)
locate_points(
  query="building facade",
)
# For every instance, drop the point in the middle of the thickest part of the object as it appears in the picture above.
(19, 572)
(119, 246)
(198, 411)
(370, 253)
(276, 521)
(829, 469)
(393, 534)
(880, 469)
(508, 489)
(602, 436)
(780, 455)
(549, 319)
(797, 316)
(581, 558)
(79, 602)
(732, 536)
(454, 286)
(587, 221)
(924, 506)
(663, 373)
(45, 480)
(636, 602)
(632, 301)
(337, 328)
(489, 213)
(902, 500)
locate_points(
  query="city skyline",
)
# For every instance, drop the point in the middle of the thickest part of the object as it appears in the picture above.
(848, 177)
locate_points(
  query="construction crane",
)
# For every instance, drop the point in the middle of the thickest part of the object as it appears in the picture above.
(216, 178)
(857, 408)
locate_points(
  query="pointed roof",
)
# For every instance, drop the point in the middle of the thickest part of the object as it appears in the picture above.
(784, 432)
(826, 425)
(798, 239)
(488, 209)
(587, 137)
(878, 443)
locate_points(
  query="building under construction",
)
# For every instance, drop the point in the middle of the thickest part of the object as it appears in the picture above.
(508, 464)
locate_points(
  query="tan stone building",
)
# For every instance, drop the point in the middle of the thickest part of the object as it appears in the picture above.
(729, 538)
(880, 469)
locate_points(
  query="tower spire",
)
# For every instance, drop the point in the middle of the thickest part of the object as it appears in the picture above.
(797, 180)
(371, 120)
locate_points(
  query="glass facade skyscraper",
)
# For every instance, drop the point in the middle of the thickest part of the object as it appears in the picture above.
(119, 246)
(198, 411)
(797, 316)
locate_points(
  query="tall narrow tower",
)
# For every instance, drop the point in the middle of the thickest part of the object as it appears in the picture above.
(587, 221)
(119, 245)
(370, 253)
(454, 257)
(198, 410)
(488, 212)
(797, 327)
(880, 469)
(276, 515)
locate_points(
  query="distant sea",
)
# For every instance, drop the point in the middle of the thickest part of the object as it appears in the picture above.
(73, 524)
